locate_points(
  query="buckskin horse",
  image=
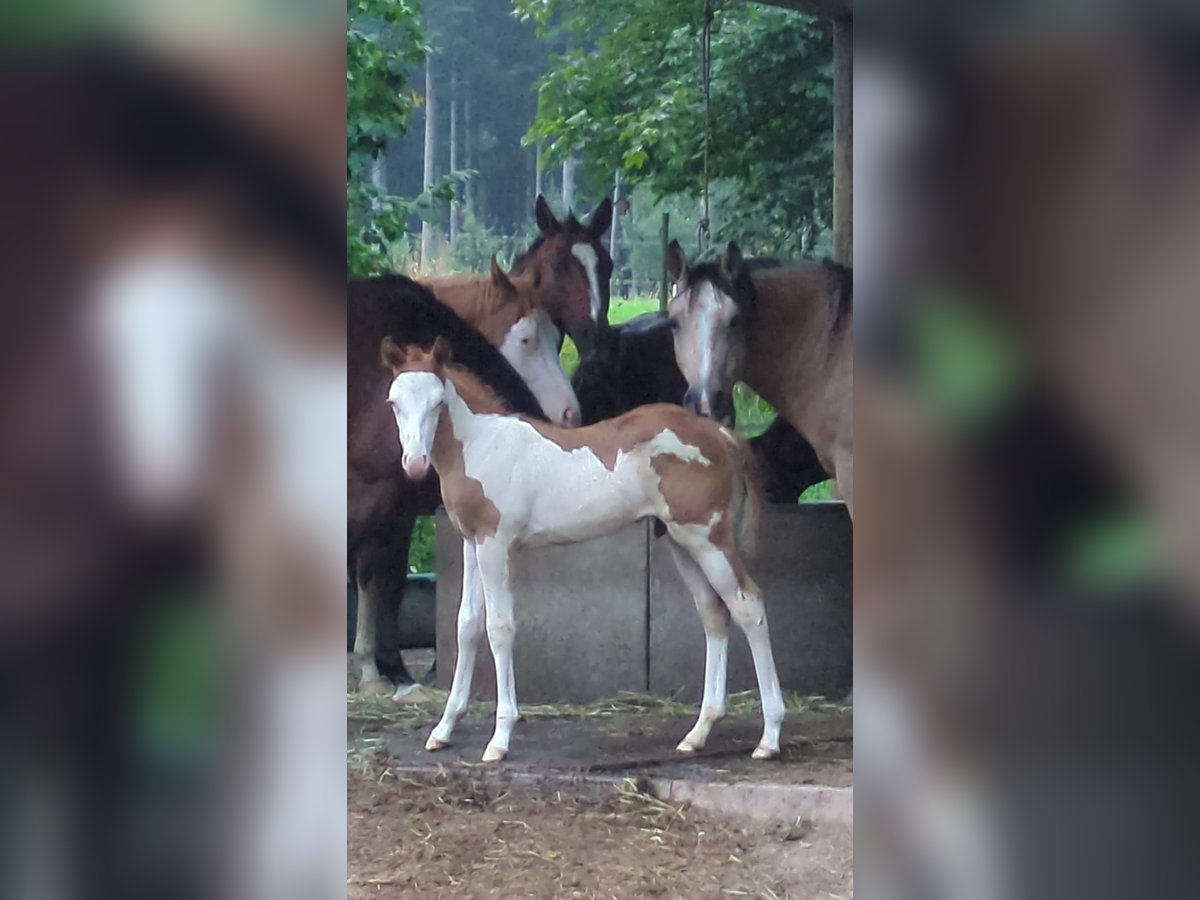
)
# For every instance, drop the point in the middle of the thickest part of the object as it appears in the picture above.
(786, 331)
(633, 364)
(503, 478)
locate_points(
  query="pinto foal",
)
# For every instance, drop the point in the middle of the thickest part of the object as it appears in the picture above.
(510, 482)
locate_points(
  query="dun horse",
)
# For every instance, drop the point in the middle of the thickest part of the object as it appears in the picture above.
(504, 479)
(633, 364)
(787, 332)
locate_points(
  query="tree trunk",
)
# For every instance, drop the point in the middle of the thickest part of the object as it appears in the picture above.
(614, 234)
(843, 140)
(430, 152)
(568, 185)
(454, 203)
(469, 187)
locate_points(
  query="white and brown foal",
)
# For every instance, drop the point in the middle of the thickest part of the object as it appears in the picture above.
(508, 482)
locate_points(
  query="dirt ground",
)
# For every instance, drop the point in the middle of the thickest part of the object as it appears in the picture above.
(449, 834)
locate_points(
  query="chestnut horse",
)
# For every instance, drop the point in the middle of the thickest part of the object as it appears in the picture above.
(503, 480)
(787, 332)
(382, 503)
(509, 313)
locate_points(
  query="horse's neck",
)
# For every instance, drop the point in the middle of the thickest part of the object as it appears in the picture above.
(467, 295)
(789, 351)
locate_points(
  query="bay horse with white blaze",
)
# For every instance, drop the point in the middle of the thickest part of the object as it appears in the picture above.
(504, 480)
(786, 331)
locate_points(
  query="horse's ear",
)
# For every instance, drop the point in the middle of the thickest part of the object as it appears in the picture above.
(390, 354)
(601, 219)
(676, 262)
(442, 354)
(732, 262)
(546, 222)
(499, 277)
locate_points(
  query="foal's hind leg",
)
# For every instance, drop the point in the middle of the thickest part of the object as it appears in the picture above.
(715, 616)
(470, 630)
(741, 595)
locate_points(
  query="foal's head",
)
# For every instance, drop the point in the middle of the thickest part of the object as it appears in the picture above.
(530, 344)
(417, 395)
(709, 312)
(572, 267)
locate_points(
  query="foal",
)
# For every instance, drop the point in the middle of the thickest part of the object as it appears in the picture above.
(506, 481)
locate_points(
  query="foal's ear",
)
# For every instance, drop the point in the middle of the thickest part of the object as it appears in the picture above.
(390, 354)
(500, 278)
(732, 262)
(676, 261)
(601, 219)
(442, 354)
(546, 222)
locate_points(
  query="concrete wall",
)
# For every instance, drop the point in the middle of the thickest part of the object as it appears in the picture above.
(612, 614)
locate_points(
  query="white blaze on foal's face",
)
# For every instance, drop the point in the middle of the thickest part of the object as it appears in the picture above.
(531, 347)
(416, 399)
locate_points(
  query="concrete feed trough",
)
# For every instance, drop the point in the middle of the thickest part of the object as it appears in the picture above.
(612, 614)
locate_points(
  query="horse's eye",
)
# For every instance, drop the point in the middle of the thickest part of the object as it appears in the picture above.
(526, 341)
(674, 324)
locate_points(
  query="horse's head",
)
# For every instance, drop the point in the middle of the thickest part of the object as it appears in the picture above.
(712, 305)
(416, 395)
(573, 269)
(531, 343)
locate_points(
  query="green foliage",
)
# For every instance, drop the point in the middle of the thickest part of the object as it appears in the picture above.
(627, 93)
(421, 557)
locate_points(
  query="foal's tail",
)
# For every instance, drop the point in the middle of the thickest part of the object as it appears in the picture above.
(747, 500)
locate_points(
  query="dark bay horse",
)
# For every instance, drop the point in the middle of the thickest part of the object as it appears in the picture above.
(633, 364)
(382, 502)
(572, 268)
(787, 332)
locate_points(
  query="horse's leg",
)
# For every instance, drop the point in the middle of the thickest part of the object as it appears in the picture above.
(391, 580)
(715, 616)
(365, 629)
(470, 629)
(746, 606)
(492, 556)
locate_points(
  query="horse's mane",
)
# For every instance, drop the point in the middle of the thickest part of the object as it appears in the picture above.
(410, 314)
(841, 282)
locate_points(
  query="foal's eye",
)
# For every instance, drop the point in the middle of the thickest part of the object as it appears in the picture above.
(526, 341)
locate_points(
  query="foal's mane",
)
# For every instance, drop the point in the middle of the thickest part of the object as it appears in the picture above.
(410, 314)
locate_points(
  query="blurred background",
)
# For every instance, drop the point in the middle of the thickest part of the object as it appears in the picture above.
(172, 464)
(1026, 190)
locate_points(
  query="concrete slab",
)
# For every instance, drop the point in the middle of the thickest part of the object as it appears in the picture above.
(580, 611)
(804, 565)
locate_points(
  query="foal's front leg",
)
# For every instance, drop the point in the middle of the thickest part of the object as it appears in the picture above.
(470, 629)
(501, 630)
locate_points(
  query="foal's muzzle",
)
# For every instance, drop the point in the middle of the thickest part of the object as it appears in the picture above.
(415, 467)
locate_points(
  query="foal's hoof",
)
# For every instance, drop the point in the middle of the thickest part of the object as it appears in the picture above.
(761, 752)
(434, 744)
(686, 746)
(494, 754)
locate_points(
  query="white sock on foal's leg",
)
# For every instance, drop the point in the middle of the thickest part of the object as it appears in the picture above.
(748, 611)
(470, 630)
(501, 631)
(715, 617)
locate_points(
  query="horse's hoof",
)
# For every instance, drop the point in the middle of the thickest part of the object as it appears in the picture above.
(411, 693)
(434, 744)
(494, 754)
(761, 752)
(686, 746)
(376, 686)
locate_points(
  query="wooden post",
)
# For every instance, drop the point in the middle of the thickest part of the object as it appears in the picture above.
(843, 140)
(666, 242)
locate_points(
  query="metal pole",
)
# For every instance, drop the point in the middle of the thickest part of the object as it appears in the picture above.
(666, 242)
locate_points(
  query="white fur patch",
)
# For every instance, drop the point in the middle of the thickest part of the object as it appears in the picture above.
(667, 443)
(586, 254)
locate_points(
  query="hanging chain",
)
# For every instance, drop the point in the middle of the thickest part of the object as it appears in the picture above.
(702, 232)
